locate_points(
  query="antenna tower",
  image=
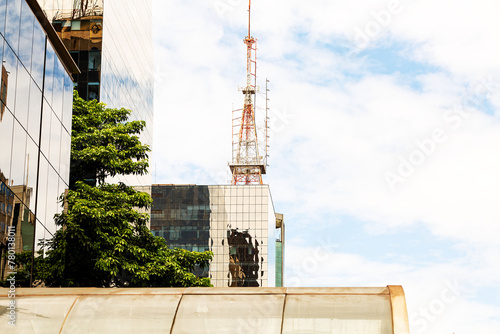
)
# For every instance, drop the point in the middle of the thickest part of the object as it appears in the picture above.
(247, 165)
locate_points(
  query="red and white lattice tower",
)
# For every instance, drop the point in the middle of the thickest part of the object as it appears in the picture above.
(247, 165)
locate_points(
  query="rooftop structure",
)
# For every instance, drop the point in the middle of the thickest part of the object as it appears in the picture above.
(248, 162)
(380, 310)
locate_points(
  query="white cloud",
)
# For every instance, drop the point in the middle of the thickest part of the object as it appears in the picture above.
(340, 124)
(440, 297)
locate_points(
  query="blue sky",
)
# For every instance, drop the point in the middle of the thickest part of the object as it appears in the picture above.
(385, 138)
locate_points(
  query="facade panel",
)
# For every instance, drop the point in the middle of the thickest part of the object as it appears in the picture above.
(111, 41)
(237, 223)
(33, 169)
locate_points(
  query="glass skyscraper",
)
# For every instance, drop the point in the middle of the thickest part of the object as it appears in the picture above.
(237, 223)
(111, 41)
(35, 126)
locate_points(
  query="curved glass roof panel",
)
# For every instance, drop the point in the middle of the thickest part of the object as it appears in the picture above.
(205, 310)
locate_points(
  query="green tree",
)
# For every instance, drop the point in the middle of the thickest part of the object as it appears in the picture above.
(104, 143)
(102, 239)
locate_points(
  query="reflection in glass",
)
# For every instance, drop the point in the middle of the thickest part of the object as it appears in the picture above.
(18, 156)
(37, 60)
(3, 91)
(12, 23)
(241, 236)
(35, 112)
(243, 259)
(26, 35)
(2, 16)
(93, 91)
(22, 94)
(22, 203)
(49, 73)
(95, 60)
(10, 63)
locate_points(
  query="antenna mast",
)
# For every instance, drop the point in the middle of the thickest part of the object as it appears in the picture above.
(247, 166)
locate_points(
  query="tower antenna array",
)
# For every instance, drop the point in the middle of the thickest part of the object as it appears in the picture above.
(247, 165)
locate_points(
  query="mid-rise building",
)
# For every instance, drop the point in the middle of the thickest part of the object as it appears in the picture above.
(36, 96)
(111, 41)
(237, 223)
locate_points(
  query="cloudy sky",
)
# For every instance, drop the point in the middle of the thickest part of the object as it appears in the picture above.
(385, 138)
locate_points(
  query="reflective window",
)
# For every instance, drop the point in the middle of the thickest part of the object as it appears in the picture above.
(18, 157)
(3, 8)
(37, 59)
(41, 209)
(31, 171)
(93, 91)
(49, 73)
(46, 123)
(55, 142)
(241, 235)
(12, 23)
(75, 25)
(6, 128)
(35, 111)
(67, 104)
(22, 96)
(65, 156)
(24, 50)
(128, 74)
(95, 60)
(52, 202)
(26, 35)
(58, 89)
(9, 80)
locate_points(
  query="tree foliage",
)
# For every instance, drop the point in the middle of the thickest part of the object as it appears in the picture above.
(104, 143)
(103, 240)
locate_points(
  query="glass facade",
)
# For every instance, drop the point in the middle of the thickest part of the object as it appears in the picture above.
(236, 223)
(111, 41)
(280, 249)
(35, 127)
(380, 310)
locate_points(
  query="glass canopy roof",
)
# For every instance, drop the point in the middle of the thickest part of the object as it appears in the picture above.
(205, 310)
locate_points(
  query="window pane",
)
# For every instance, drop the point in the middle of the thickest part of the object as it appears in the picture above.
(93, 91)
(37, 59)
(67, 104)
(3, 8)
(31, 171)
(55, 142)
(340, 314)
(228, 314)
(75, 25)
(22, 96)
(6, 127)
(41, 208)
(35, 112)
(12, 23)
(10, 62)
(104, 314)
(49, 73)
(95, 60)
(18, 158)
(26, 35)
